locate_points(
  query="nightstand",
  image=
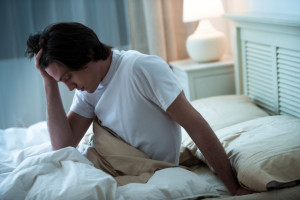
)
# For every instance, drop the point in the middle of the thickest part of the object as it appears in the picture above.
(201, 80)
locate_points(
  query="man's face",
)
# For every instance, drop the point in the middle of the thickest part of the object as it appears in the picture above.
(86, 79)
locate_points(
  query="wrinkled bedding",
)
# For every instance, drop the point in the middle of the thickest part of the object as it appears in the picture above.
(29, 169)
(34, 171)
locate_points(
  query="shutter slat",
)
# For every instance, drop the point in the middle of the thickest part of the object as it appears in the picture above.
(288, 82)
(263, 104)
(289, 58)
(257, 60)
(257, 51)
(265, 69)
(289, 111)
(260, 79)
(266, 90)
(259, 75)
(285, 111)
(289, 77)
(256, 55)
(288, 52)
(286, 100)
(258, 96)
(263, 93)
(290, 97)
(287, 88)
(252, 45)
(288, 64)
(288, 72)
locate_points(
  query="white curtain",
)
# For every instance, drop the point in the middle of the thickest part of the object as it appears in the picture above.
(22, 98)
(156, 28)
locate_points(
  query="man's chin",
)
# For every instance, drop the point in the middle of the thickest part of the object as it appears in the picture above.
(90, 91)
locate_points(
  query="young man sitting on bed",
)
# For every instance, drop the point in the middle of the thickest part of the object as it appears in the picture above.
(133, 94)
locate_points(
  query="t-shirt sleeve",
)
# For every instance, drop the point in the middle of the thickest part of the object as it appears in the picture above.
(81, 106)
(156, 81)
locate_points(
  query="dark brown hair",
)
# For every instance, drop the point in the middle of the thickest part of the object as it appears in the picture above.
(70, 43)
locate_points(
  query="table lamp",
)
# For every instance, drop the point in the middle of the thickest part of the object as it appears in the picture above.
(206, 43)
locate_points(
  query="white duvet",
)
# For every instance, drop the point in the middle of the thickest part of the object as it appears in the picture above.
(62, 174)
(29, 169)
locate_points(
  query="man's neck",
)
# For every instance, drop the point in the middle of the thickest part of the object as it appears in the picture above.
(104, 66)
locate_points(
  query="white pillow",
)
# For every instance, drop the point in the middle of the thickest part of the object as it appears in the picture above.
(220, 112)
(224, 111)
(264, 152)
(169, 183)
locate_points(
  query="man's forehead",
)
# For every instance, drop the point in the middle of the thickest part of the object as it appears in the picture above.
(57, 71)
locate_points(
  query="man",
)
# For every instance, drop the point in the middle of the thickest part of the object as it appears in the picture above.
(135, 95)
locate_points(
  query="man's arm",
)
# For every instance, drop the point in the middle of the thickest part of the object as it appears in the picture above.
(206, 140)
(64, 130)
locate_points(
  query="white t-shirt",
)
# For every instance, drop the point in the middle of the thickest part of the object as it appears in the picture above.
(132, 99)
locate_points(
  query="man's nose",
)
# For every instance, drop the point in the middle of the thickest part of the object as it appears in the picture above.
(71, 86)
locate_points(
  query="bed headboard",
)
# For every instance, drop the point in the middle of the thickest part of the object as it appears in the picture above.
(267, 61)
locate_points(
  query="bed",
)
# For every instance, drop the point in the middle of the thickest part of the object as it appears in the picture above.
(259, 128)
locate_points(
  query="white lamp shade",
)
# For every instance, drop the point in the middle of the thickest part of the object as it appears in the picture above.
(194, 10)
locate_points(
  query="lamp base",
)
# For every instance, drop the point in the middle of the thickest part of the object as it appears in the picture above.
(206, 44)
